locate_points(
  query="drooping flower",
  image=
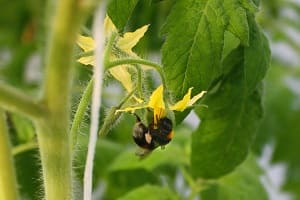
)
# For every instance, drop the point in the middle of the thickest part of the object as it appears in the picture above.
(125, 44)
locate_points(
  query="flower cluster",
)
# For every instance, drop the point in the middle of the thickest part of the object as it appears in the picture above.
(157, 101)
(124, 44)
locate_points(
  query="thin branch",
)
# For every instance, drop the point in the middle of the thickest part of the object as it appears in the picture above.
(14, 100)
(139, 82)
(112, 116)
(84, 102)
(24, 147)
(108, 49)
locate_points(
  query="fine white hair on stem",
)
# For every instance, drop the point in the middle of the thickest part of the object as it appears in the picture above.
(98, 32)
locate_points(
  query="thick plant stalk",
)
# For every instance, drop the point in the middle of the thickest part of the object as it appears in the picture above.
(54, 145)
(8, 183)
(53, 130)
(96, 101)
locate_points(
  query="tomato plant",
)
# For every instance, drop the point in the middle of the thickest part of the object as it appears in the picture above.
(97, 99)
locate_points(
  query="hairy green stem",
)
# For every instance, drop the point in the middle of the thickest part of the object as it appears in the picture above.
(108, 49)
(139, 82)
(55, 151)
(53, 131)
(109, 121)
(14, 100)
(86, 97)
(84, 102)
(8, 182)
(132, 61)
(112, 116)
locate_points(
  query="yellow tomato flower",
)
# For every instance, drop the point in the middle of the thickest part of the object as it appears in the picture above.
(125, 43)
(157, 103)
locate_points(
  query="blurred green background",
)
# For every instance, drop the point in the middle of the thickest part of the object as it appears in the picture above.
(277, 146)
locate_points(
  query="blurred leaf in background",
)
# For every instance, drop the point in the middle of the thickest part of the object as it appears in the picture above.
(280, 128)
(20, 37)
(19, 22)
(243, 183)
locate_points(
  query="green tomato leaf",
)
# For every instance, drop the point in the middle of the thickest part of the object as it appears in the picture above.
(250, 5)
(120, 11)
(238, 24)
(234, 110)
(231, 42)
(192, 55)
(120, 182)
(257, 56)
(244, 183)
(171, 155)
(150, 192)
(228, 125)
(193, 47)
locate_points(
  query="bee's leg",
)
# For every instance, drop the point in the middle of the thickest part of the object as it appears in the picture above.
(143, 153)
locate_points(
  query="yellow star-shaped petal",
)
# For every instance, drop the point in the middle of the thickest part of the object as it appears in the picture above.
(157, 103)
(86, 43)
(187, 101)
(130, 39)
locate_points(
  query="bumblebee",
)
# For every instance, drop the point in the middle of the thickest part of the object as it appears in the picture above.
(153, 136)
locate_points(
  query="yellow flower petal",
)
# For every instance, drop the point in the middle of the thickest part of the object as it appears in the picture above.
(87, 60)
(157, 99)
(196, 98)
(187, 101)
(182, 104)
(124, 77)
(130, 39)
(109, 27)
(121, 74)
(86, 43)
(157, 103)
